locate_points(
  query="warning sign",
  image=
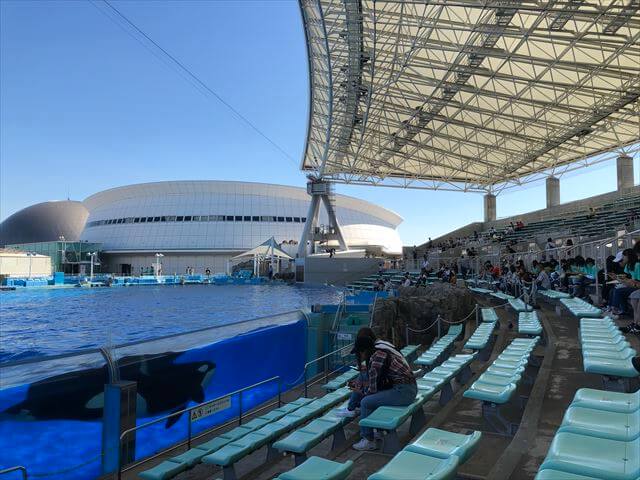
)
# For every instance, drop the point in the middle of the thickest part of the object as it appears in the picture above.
(210, 408)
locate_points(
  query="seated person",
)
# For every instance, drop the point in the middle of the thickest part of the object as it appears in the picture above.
(389, 382)
(543, 279)
(628, 283)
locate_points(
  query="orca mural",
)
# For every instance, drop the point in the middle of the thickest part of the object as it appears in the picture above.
(54, 424)
(163, 384)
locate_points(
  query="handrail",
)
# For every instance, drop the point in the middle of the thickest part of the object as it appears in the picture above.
(189, 409)
(311, 362)
(17, 468)
(373, 309)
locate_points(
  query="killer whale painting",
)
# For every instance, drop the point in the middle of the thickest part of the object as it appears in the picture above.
(164, 385)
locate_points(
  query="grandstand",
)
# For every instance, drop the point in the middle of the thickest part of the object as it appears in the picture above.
(494, 402)
(587, 220)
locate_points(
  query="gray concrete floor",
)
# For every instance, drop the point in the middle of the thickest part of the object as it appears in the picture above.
(498, 457)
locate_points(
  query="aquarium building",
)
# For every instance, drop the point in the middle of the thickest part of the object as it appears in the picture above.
(203, 224)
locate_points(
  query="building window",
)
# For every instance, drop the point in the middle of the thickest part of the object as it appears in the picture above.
(187, 218)
(163, 219)
(171, 218)
(204, 218)
(281, 219)
(128, 220)
(179, 218)
(247, 218)
(255, 219)
(136, 220)
(143, 220)
(149, 219)
(229, 218)
(303, 219)
(156, 219)
(289, 219)
(296, 219)
(238, 218)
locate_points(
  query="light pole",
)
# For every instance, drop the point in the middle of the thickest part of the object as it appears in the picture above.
(92, 256)
(30, 255)
(63, 252)
(158, 257)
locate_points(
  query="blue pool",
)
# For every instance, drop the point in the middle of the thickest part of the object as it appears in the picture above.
(42, 322)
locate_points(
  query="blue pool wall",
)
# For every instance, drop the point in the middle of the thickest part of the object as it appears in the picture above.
(71, 449)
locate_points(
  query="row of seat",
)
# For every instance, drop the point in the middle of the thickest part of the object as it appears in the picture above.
(410, 351)
(440, 349)
(388, 419)
(554, 294)
(232, 452)
(605, 351)
(480, 290)
(305, 438)
(502, 296)
(488, 315)
(580, 308)
(435, 455)
(599, 438)
(497, 385)
(482, 340)
(171, 467)
(228, 448)
(529, 324)
(341, 380)
(518, 305)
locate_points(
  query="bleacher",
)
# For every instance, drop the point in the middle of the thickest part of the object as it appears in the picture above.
(580, 225)
(595, 439)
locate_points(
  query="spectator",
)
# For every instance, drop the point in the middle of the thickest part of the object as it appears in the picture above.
(549, 248)
(407, 280)
(543, 279)
(353, 407)
(389, 382)
(627, 283)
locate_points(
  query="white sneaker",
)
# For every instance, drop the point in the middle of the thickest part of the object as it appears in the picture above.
(365, 445)
(345, 412)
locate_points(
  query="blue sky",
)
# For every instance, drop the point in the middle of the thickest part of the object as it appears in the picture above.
(85, 107)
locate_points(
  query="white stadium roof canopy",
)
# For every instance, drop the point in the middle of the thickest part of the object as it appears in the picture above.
(472, 95)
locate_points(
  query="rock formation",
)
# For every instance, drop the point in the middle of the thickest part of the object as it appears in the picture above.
(418, 307)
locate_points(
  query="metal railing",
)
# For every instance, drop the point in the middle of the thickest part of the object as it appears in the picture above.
(188, 410)
(17, 468)
(326, 373)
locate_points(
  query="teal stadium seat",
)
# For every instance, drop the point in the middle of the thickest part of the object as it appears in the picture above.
(606, 352)
(318, 469)
(435, 455)
(599, 438)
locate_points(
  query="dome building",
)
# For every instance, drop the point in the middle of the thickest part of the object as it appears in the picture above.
(203, 224)
(44, 222)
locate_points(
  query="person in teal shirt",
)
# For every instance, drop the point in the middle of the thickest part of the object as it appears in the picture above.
(618, 296)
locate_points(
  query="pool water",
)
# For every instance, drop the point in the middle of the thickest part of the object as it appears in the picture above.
(38, 322)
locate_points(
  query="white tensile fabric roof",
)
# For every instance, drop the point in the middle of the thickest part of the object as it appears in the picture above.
(266, 249)
(468, 94)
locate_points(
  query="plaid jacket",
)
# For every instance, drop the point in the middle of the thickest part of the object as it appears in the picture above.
(399, 371)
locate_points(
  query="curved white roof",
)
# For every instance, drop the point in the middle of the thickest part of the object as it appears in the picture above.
(468, 94)
(194, 187)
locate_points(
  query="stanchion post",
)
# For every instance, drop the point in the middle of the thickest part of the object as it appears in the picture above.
(477, 315)
(439, 327)
(406, 334)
